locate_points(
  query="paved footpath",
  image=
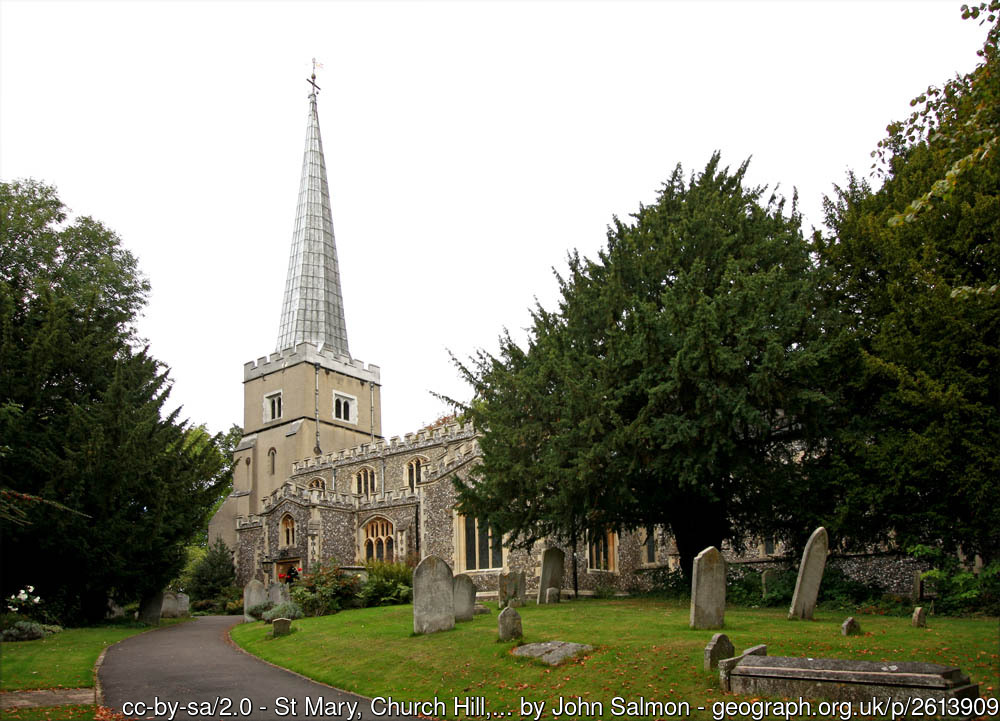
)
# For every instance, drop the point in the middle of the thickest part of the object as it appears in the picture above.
(194, 671)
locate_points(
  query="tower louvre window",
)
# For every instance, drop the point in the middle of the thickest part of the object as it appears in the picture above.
(272, 407)
(345, 407)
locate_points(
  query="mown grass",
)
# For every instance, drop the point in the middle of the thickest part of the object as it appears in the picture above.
(62, 660)
(643, 648)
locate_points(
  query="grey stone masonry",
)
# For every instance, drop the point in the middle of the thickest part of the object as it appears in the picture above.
(552, 652)
(919, 619)
(465, 597)
(433, 596)
(759, 650)
(183, 604)
(718, 648)
(479, 609)
(169, 607)
(281, 627)
(149, 609)
(509, 625)
(254, 594)
(850, 627)
(810, 575)
(553, 560)
(708, 590)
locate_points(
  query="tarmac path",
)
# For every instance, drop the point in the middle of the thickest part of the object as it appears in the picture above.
(193, 671)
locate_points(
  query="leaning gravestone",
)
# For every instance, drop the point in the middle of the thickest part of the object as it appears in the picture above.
(708, 589)
(718, 648)
(254, 594)
(511, 589)
(765, 578)
(281, 627)
(509, 624)
(183, 604)
(278, 593)
(553, 560)
(919, 619)
(465, 597)
(169, 607)
(810, 575)
(149, 609)
(433, 596)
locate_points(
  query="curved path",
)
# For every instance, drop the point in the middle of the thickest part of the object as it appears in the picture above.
(194, 671)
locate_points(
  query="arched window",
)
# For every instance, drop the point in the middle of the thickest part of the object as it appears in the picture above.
(345, 407)
(378, 543)
(271, 456)
(287, 531)
(317, 483)
(365, 480)
(603, 554)
(414, 472)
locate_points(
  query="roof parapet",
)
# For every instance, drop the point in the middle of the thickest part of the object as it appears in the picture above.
(315, 355)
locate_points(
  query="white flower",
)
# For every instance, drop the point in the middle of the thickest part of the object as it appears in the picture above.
(12, 608)
(22, 596)
(31, 589)
(38, 599)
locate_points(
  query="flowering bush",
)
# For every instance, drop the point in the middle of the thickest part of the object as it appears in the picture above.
(23, 600)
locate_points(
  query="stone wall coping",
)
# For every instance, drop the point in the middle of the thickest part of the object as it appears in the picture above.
(313, 354)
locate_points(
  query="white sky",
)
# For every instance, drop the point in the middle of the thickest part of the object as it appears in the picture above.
(469, 146)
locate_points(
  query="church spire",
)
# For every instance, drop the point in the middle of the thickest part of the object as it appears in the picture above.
(313, 308)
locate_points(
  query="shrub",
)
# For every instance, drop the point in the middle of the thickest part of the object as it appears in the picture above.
(387, 584)
(960, 590)
(744, 587)
(604, 588)
(23, 631)
(671, 584)
(257, 610)
(326, 590)
(213, 575)
(839, 591)
(288, 609)
(234, 608)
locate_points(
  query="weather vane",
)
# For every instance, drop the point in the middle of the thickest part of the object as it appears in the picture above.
(312, 80)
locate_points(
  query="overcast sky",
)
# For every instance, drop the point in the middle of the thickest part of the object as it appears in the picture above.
(469, 146)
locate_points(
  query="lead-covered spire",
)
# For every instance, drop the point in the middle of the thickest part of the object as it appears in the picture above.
(313, 308)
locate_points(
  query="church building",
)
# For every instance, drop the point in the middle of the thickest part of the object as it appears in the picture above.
(314, 479)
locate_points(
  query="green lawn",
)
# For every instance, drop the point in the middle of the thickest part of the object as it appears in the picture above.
(63, 659)
(644, 648)
(51, 713)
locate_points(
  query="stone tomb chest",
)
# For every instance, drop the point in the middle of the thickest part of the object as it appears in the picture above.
(844, 680)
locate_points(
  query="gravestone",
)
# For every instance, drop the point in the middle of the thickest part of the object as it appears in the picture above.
(919, 619)
(183, 604)
(509, 624)
(479, 609)
(278, 593)
(281, 627)
(862, 682)
(850, 627)
(149, 609)
(552, 595)
(254, 594)
(552, 652)
(465, 597)
(169, 607)
(810, 575)
(553, 560)
(708, 590)
(511, 589)
(433, 596)
(759, 650)
(718, 648)
(765, 578)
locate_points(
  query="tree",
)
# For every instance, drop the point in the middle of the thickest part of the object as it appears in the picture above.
(91, 431)
(682, 374)
(213, 573)
(914, 264)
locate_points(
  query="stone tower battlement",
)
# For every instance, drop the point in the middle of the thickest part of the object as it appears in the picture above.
(315, 355)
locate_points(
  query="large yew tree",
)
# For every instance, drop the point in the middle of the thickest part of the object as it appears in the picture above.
(102, 485)
(683, 373)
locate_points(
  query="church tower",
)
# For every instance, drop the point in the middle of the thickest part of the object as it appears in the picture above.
(309, 396)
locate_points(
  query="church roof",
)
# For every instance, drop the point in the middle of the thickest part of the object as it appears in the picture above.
(313, 307)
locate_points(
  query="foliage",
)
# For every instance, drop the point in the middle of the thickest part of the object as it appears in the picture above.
(325, 590)
(287, 609)
(91, 430)
(916, 460)
(957, 588)
(682, 372)
(213, 573)
(24, 631)
(668, 583)
(387, 584)
(257, 610)
(193, 555)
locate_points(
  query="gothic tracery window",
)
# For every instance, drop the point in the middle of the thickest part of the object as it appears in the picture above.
(365, 481)
(287, 531)
(378, 543)
(414, 472)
